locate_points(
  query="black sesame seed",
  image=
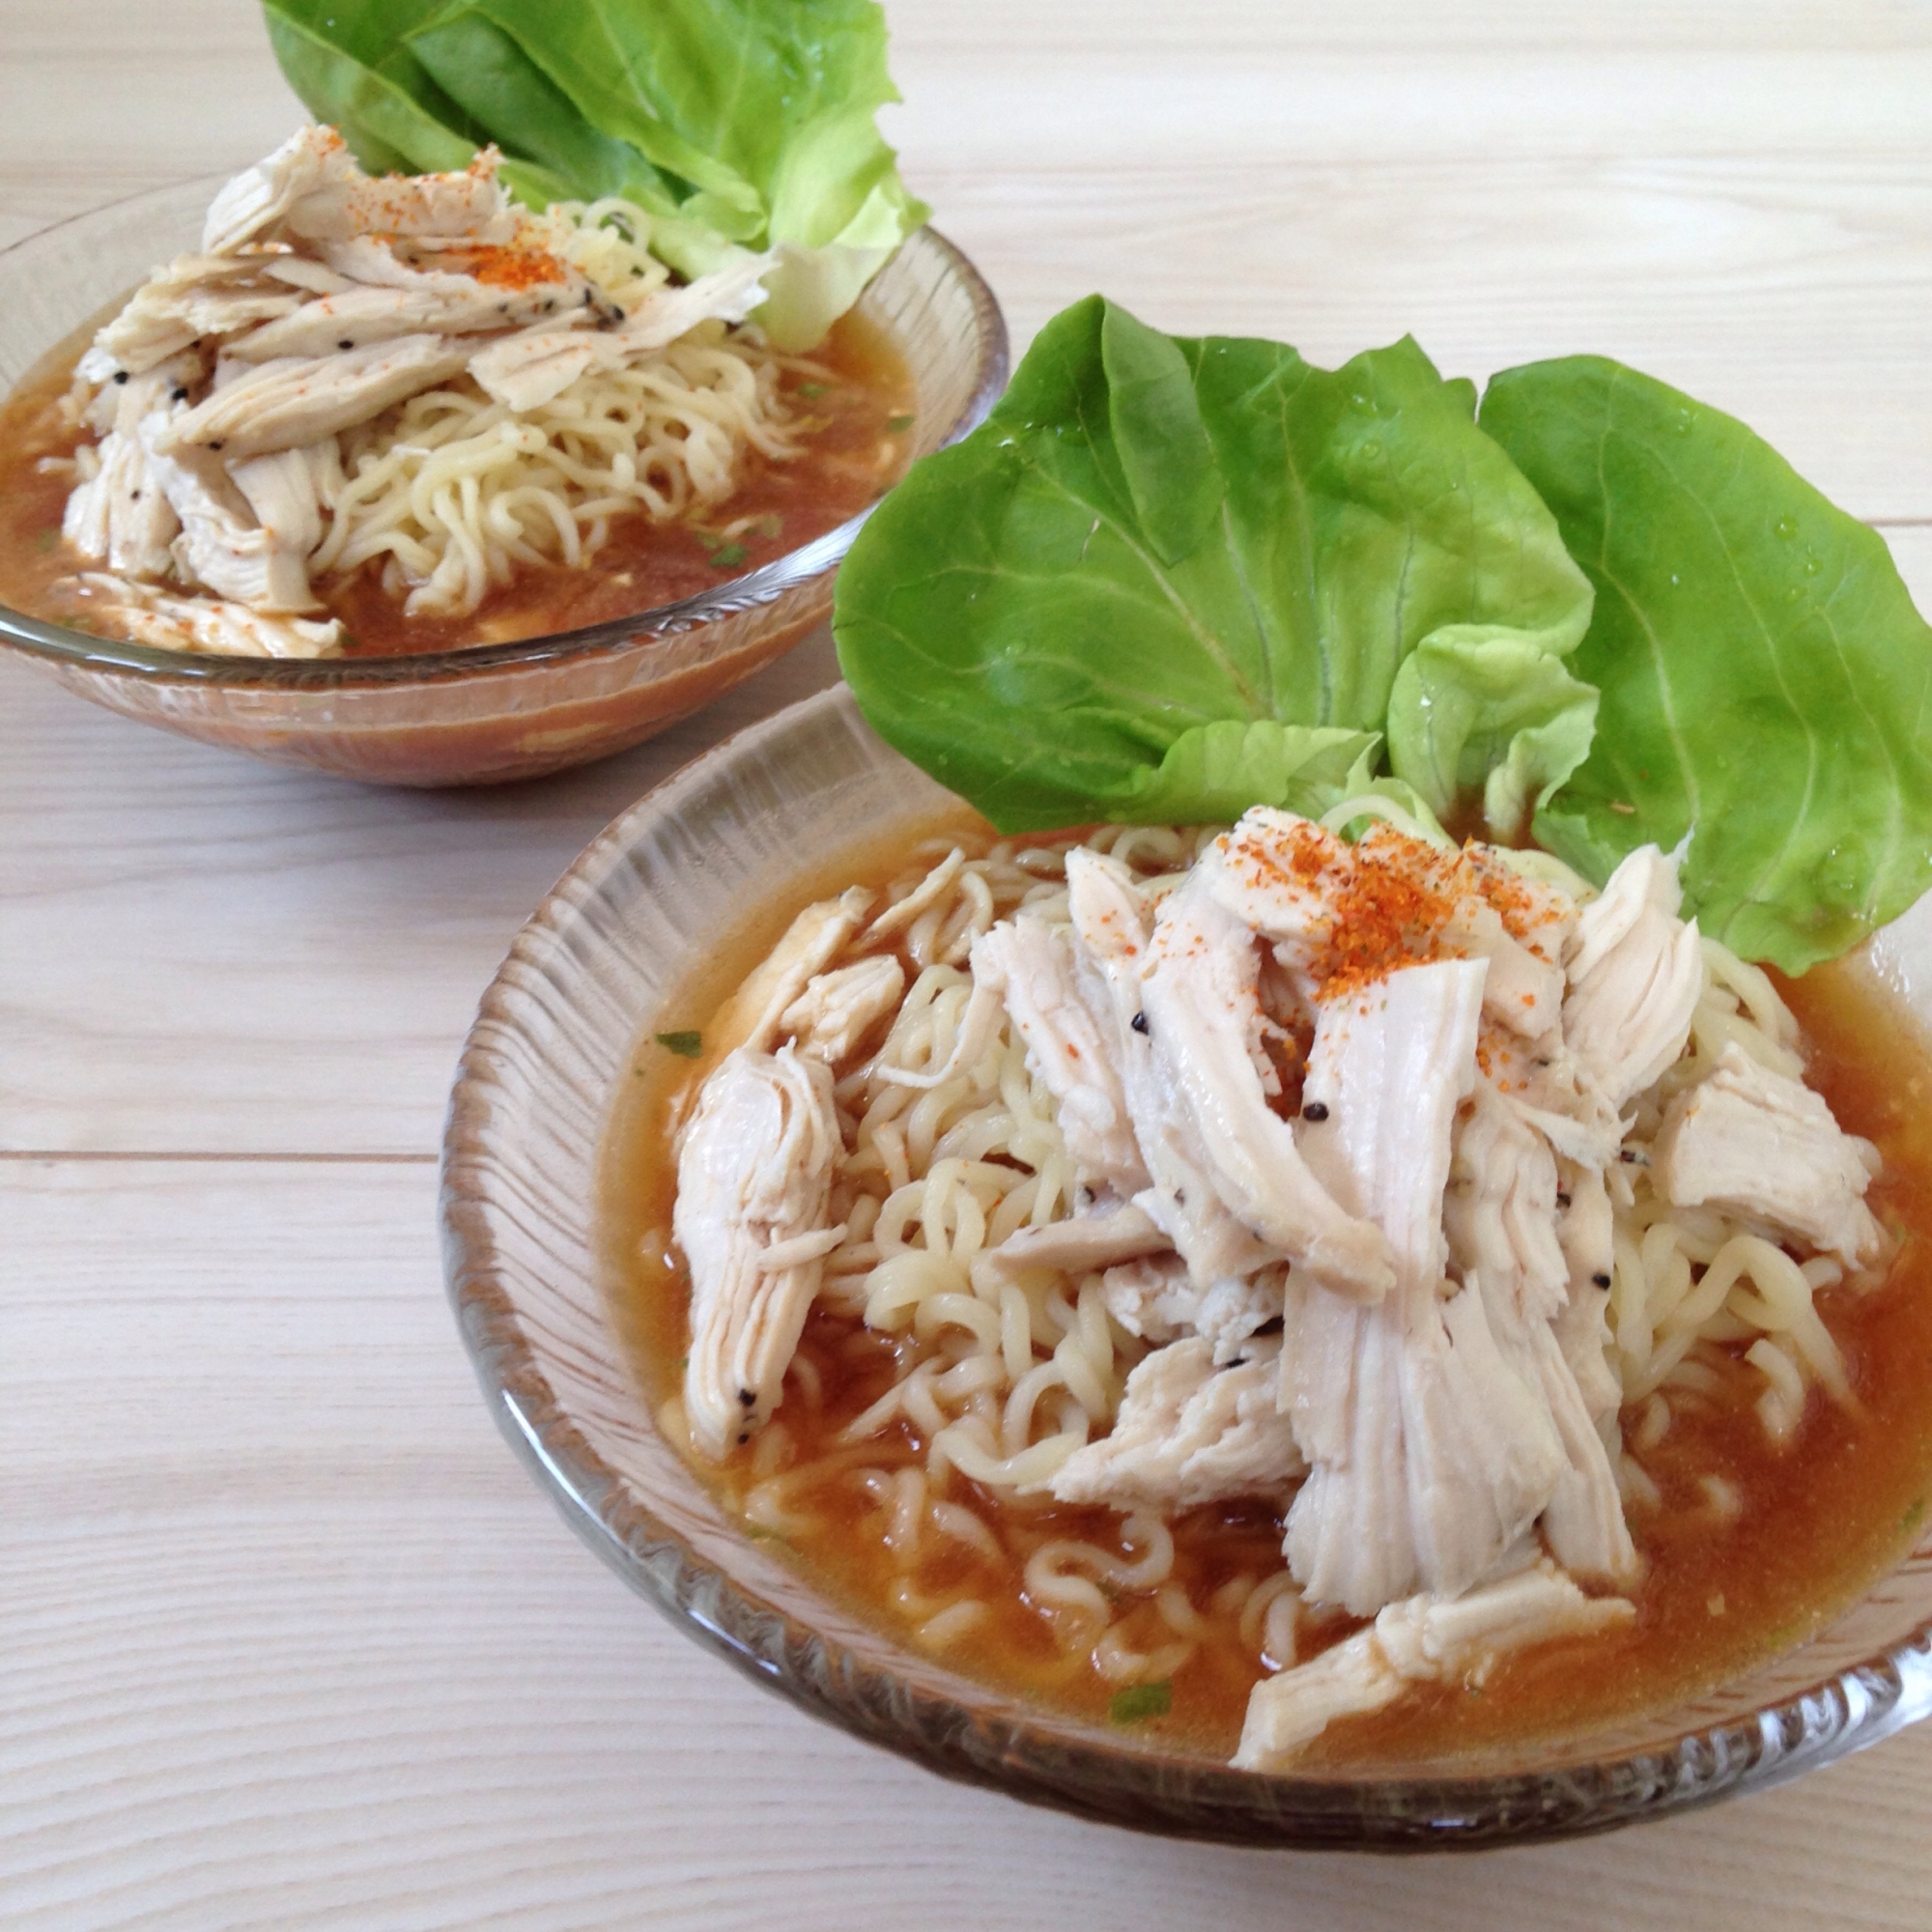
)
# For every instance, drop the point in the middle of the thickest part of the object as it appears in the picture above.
(134, 496)
(1316, 1109)
(1139, 1023)
(214, 445)
(1601, 1280)
(346, 343)
(177, 396)
(120, 375)
(747, 1397)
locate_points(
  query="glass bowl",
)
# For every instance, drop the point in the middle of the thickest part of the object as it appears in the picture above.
(558, 1028)
(497, 711)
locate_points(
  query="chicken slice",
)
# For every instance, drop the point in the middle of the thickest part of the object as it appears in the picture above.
(1522, 992)
(526, 370)
(835, 1011)
(1636, 971)
(1502, 1218)
(1189, 1432)
(194, 295)
(312, 187)
(441, 304)
(1584, 1522)
(1584, 1227)
(1110, 923)
(464, 204)
(1151, 1295)
(1073, 1044)
(171, 623)
(1427, 1640)
(1499, 1215)
(1429, 1454)
(122, 515)
(1154, 1298)
(1086, 1243)
(1550, 1088)
(1200, 997)
(221, 544)
(1282, 876)
(1753, 1144)
(257, 198)
(754, 1014)
(754, 1171)
(296, 400)
(283, 493)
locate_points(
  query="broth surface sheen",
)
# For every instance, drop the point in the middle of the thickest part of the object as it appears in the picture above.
(1824, 1514)
(857, 424)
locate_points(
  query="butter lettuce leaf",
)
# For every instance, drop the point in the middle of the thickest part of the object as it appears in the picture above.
(1172, 577)
(738, 124)
(1765, 684)
(349, 66)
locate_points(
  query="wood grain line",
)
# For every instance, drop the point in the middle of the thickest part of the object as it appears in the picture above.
(255, 1159)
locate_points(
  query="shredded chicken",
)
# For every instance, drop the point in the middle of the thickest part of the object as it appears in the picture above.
(1073, 1044)
(837, 1011)
(754, 1014)
(1426, 1640)
(1345, 1123)
(1634, 971)
(320, 296)
(1756, 1144)
(1087, 1241)
(1190, 1433)
(1429, 1454)
(753, 1181)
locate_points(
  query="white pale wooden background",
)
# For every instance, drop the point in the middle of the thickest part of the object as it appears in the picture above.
(287, 1639)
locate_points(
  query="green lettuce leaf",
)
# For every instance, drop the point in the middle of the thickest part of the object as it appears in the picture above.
(1766, 682)
(1494, 715)
(1170, 579)
(348, 63)
(736, 123)
(758, 122)
(550, 144)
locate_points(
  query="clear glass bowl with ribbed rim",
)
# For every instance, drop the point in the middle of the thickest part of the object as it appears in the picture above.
(558, 1028)
(497, 711)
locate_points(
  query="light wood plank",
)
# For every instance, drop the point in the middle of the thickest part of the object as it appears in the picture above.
(288, 1639)
(202, 954)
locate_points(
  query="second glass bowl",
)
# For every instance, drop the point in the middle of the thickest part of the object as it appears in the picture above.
(497, 711)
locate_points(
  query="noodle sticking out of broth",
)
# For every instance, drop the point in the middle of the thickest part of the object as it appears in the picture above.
(1313, 1209)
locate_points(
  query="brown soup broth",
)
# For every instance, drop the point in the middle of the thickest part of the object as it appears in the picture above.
(1823, 1514)
(857, 416)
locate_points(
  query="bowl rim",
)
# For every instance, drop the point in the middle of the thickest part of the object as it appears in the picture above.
(764, 586)
(1068, 1765)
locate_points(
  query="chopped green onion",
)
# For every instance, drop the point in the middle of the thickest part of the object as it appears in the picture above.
(686, 1045)
(1140, 1701)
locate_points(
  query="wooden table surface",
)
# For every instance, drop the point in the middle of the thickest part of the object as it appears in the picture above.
(287, 1638)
